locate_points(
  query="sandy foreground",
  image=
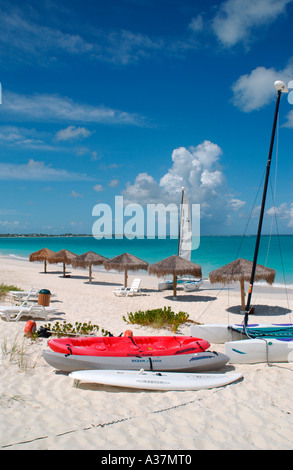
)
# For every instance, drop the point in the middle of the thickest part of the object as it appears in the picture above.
(41, 409)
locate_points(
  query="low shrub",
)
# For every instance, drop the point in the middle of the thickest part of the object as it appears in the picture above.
(158, 318)
(4, 289)
(78, 329)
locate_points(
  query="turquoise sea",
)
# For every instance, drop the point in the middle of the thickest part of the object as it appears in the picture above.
(213, 252)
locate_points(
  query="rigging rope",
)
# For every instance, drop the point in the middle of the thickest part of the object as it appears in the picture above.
(274, 191)
(275, 219)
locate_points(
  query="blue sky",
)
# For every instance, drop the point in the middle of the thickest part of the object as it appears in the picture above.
(139, 98)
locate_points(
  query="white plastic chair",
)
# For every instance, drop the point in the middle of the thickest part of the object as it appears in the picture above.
(133, 290)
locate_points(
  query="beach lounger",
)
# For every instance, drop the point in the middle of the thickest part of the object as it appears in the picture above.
(14, 313)
(21, 296)
(133, 290)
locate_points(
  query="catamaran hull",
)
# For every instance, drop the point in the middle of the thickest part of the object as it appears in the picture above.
(203, 361)
(220, 333)
(192, 286)
(168, 285)
(253, 351)
(187, 284)
(164, 285)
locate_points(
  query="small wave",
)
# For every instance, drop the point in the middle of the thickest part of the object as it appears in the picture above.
(11, 255)
(275, 284)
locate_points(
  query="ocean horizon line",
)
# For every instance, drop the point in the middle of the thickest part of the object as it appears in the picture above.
(48, 235)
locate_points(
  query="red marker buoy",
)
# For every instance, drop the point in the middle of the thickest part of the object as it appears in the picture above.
(30, 328)
(128, 333)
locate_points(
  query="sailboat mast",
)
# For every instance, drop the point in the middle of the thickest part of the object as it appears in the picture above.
(180, 220)
(281, 87)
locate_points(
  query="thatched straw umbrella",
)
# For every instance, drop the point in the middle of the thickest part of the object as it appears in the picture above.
(88, 259)
(240, 270)
(177, 266)
(62, 256)
(125, 262)
(41, 255)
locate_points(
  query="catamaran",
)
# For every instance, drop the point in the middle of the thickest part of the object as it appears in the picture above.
(253, 343)
(189, 283)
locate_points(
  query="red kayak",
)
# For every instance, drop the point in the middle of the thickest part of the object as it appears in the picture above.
(116, 346)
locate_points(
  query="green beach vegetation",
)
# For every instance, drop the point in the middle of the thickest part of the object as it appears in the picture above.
(158, 318)
(78, 329)
(4, 289)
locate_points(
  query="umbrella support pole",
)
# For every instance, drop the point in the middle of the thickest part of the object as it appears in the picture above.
(242, 294)
(174, 287)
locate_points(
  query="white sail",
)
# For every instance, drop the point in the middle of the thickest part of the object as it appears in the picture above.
(185, 229)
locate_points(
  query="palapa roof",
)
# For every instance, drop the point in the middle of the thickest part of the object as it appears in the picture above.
(62, 256)
(240, 269)
(175, 265)
(125, 261)
(87, 259)
(41, 255)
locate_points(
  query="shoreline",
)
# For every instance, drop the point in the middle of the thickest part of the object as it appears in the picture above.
(41, 409)
(261, 285)
(213, 252)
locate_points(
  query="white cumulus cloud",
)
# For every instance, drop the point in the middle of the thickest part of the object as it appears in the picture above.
(73, 133)
(38, 171)
(237, 20)
(198, 170)
(98, 188)
(284, 212)
(256, 89)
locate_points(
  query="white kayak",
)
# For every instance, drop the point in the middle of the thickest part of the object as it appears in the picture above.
(253, 351)
(202, 361)
(155, 380)
(220, 333)
(191, 286)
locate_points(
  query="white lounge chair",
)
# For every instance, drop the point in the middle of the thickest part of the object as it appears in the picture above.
(21, 296)
(133, 290)
(14, 313)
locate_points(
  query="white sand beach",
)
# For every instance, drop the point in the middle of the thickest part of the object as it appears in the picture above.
(41, 409)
